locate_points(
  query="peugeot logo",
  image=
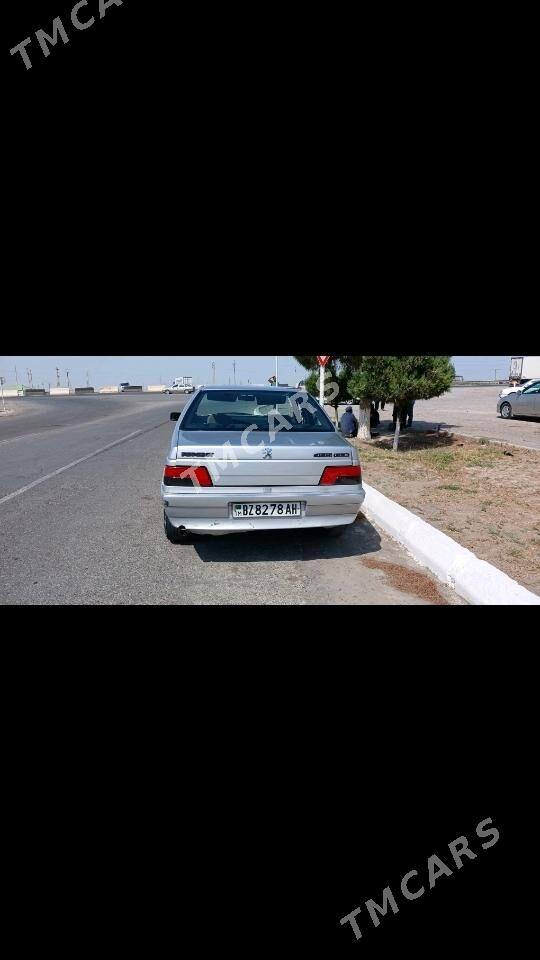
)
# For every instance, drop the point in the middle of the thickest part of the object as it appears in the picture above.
(267, 453)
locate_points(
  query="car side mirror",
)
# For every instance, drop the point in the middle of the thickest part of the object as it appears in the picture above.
(175, 416)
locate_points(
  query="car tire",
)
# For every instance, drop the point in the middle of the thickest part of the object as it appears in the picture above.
(173, 534)
(506, 411)
(337, 531)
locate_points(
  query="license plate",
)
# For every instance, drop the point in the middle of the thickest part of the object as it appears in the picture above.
(242, 510)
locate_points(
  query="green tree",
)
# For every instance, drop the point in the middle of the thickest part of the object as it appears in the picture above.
(336, 384)
(402, 379)
(352, 368)
(344, 368)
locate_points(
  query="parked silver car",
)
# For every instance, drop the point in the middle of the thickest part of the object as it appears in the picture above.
(258, 458)
(520, 403)
(519, 388)
(176, 388)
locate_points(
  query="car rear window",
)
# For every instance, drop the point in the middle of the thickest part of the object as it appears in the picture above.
(236, 410)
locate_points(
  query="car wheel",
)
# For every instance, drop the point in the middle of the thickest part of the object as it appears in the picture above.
(506, 411)
(173, 534)
(337, 531)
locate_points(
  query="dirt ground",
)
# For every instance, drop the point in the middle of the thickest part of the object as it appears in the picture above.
(483, 495)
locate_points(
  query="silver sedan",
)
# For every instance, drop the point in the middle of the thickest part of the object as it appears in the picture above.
(253, 458)
(521, 403)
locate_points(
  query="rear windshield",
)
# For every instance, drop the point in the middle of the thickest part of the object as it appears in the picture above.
(267, 410)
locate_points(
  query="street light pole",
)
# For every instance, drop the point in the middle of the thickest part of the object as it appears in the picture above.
(213, 372)
(277, 371)
(234, 370)
(67, 375)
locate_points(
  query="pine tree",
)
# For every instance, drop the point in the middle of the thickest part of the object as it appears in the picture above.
(402, 379)
(344, 367)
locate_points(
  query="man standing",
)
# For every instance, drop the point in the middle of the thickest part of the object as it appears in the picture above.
(401, 412)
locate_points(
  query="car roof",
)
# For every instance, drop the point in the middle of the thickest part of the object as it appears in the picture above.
(249, 386)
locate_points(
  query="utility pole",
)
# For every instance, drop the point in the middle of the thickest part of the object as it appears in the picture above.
(16, 378)
(2, 382)
(87, 379)
(29, 375)
(234, 370)
(67, 375)
(58, 376)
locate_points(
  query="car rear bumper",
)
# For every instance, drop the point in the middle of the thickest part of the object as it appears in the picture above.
(209, 510)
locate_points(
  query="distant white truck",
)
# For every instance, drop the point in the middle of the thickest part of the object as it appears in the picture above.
(181, 385)
(523, 369)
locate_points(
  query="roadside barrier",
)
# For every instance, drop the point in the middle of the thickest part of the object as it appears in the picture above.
(475, 580)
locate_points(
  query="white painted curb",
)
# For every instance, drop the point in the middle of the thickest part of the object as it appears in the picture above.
(475, 580)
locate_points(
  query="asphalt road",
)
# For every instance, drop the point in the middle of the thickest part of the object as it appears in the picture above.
(81, 523)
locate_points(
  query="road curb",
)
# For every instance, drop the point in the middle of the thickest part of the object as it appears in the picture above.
(475, 580)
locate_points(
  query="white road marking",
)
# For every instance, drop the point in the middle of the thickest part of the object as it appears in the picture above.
(68, 466)
(47, 431)
(26, 436)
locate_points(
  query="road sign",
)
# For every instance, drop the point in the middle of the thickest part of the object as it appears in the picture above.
(323, 361)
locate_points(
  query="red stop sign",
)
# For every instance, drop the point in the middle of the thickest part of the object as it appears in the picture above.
(323, 361)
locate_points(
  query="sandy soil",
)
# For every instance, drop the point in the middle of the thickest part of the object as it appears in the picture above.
(484, 496)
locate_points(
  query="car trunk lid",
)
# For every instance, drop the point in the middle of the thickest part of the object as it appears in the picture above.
(263, 459)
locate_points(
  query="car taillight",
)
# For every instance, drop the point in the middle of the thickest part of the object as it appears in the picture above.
(340, 475)
(187, 477)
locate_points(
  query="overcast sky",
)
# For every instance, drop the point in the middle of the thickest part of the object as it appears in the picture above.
(142, 371)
